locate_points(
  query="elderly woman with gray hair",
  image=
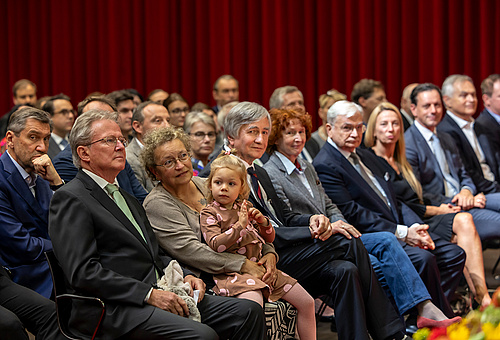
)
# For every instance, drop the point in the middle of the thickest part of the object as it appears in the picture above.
(202, 131)
(173, 207)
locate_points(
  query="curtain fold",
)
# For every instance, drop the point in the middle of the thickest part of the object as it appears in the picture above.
(81, 46)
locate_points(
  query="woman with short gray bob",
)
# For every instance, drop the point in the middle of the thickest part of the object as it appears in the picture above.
(202, 131)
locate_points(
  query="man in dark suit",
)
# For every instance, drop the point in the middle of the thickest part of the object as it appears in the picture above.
(488, 123)
(406, 106)
(63, 116)
(27, 178)
(226, 90)
(438, 166)
(368, 203)
(478, 156)
(291, 98)
(113, 253)
(21, 309)
(63, 162)
(324, 263)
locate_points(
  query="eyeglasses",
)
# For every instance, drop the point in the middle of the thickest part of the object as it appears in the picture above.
(347, 128)
(201, 135)
(111, 141)
(180, 110)
(171, 162)
(66, 112)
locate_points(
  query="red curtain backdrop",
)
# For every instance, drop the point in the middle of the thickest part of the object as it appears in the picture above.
(81, 46)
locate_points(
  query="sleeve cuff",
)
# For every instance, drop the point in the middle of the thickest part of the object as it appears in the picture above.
(401, 232)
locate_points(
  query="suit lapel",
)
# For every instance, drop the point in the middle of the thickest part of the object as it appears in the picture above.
(20, 186)
(102, 197)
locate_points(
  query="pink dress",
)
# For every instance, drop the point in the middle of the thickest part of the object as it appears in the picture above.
(223, 232)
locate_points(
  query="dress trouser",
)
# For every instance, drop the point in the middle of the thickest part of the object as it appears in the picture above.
(221, 317)
(341, 268)
(21, 308)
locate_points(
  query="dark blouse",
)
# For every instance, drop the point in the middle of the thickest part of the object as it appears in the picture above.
(440, 224)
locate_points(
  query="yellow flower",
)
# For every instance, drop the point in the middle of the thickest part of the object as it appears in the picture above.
(491, 332)
(458, 331)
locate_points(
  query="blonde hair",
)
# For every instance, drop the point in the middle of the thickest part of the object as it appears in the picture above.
(399, 151)
(228, 160)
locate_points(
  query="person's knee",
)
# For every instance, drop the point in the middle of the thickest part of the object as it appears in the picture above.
(11, 327)
(465, 224)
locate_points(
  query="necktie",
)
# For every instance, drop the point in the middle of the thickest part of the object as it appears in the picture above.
(258, 192)
(122, 204)
(255, 184)
(366, 177)
(64, 143)
(452, 186)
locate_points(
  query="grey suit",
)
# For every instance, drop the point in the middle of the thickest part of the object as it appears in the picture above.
(301, 200)
(133, 158)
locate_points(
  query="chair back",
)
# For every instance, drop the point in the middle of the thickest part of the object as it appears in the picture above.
(65, 302)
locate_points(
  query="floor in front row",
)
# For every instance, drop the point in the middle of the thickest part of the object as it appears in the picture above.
(490, 257)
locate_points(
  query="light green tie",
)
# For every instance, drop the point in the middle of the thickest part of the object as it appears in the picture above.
(120, 201)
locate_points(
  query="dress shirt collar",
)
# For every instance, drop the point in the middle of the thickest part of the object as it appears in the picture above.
(289, 166)
(29, 178)
(344, 153)
(426, 133)
(495, 116)
(101, 182)
(462, 123)
(58, 139)
(139, 143)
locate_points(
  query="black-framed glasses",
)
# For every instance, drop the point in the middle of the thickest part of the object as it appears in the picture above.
(201, 135)
(180, 110)
(169, 163)
(66, 112)
(111, 141)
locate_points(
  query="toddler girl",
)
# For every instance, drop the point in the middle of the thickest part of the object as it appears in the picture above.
(230, 224)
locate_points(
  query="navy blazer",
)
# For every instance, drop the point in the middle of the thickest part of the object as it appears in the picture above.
(358, 202)
(426, 167)
(63, 163)
(469, 158)
(24, 235)
(487, 127)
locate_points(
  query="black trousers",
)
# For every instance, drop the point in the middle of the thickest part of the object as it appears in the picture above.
(222, 317)
(21, 308)
(341, 268)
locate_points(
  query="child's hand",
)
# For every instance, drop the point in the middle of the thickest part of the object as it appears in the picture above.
(255, 215)
(243, 214)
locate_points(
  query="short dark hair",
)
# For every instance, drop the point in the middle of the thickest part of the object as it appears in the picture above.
(172, 98)
(488, 83)
(119, 96)
(424, 88)
(364, 88)
(134, 92)
(21, 84)
(225, 77)
(49, 104)
(90, 99)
